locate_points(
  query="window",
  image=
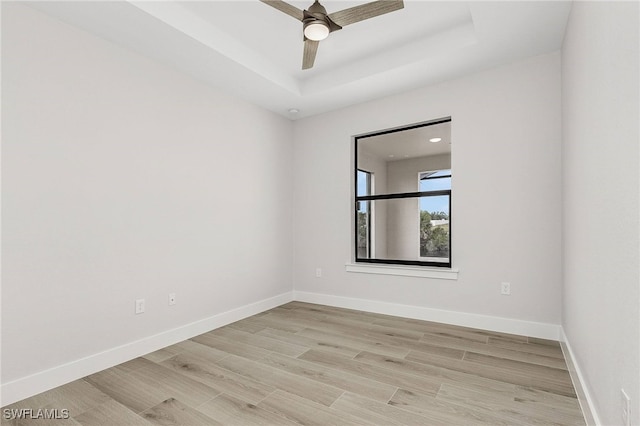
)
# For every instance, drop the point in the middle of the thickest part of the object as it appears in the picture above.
(406, 217)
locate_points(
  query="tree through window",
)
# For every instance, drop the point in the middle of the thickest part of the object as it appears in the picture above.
(434, 215)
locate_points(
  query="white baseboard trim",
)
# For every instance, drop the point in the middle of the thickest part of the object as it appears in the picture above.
(42, 381)
(584, 397)
(485, 322)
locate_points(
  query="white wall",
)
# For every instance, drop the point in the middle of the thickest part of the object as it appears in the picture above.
(506, 130)
(124, 179)
(601, 308)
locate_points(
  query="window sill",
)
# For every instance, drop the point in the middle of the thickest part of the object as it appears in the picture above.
(406, 271)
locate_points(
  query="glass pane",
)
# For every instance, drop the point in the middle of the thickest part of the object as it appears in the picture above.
(364, 183)
(396, 231)
(435, 184)
(435, 174)
(364, 215)
(434, 228)
(364, 231)
(396, 159)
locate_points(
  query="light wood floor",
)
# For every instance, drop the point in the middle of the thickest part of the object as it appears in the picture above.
(310, 364)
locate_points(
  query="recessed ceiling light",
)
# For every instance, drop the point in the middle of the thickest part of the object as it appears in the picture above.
(294, 111)
(434, 140)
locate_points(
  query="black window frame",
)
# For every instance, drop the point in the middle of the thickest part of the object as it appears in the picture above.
(369, 214)
(392, 196)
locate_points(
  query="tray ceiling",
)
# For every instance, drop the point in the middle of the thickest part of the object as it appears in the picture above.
(253, 51)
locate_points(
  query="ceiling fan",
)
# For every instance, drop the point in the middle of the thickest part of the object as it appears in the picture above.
(317, 24)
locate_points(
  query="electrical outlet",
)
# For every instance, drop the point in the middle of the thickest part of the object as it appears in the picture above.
(318, 272)
(626, 407)
(139, 306)
(172, 299)
(505, 289)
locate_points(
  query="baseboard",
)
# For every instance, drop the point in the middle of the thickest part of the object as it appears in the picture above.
(485, 322)
(42, 381)
(584, 397)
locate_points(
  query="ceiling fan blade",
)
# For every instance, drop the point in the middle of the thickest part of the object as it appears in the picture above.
(286, 8)
(365, 11)
(309, 56)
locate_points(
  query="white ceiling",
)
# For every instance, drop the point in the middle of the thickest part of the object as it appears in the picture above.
(253, 51)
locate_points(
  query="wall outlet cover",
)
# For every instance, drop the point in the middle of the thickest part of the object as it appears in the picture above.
(139, 306)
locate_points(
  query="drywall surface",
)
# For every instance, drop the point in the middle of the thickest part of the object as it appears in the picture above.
(124, 179)
(506, 130)
(601, 303)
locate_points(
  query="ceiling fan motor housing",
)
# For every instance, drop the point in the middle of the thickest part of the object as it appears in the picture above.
(316, 24)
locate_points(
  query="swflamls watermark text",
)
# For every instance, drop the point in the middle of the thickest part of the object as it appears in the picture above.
(40, 413)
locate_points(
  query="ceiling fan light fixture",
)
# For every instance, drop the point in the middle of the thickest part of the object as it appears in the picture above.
(316, 30)
(317, 23)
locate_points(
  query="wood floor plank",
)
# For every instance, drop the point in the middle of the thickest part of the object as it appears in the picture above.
(513, 410)
(359, 344)
(360, 316)
(339, 379)
(111, 413)
(292, 383)
(344, 404)
(433, 372)
(382, 338)
(531, 348)
(228, 410)
(178, 386)
(348, 326)
(435, 328)
(359, 406)
(325, 344)
(231, 347)
(481, 348)
(495, 373)
(276, 323)
(201, 350)
(304, 411)
(547, 342)
(458, 334)
(261, 341)
(127, 390)
(442, 412)
(372, 372)
(543, 398)
(419, 345)
(172, 412)
(554, 374)
(203, 370)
